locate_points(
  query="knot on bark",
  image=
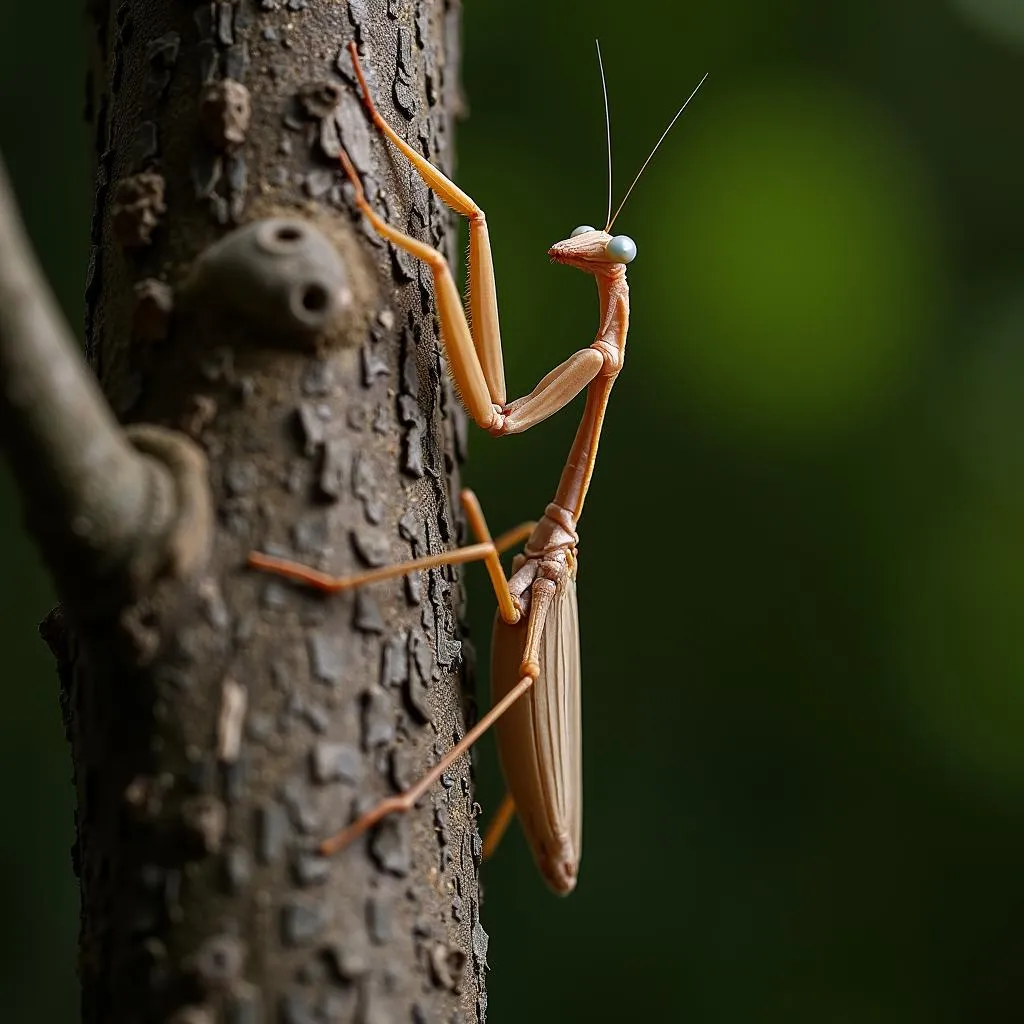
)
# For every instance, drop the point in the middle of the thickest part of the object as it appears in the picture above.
(280, 275)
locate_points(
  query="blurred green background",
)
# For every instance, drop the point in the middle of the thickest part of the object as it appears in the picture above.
(802, 577)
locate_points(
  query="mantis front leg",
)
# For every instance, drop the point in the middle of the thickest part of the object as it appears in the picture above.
(474, 352)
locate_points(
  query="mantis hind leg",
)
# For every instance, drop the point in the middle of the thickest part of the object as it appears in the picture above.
(528, 672)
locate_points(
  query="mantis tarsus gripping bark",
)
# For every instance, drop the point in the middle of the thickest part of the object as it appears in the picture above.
(535, 661)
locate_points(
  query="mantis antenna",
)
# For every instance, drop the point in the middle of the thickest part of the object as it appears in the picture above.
(612, 220)
(607, 127)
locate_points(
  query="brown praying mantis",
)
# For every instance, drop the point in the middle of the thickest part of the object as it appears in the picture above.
(535, 658)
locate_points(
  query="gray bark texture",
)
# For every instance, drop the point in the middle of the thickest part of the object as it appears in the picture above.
(223, 721)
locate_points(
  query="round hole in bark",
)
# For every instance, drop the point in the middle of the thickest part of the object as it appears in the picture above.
(314, 298)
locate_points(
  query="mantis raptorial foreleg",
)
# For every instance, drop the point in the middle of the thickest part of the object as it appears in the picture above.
(473, 347)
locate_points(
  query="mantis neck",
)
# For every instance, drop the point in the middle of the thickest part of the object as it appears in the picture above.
(557, 527)
(613, 295)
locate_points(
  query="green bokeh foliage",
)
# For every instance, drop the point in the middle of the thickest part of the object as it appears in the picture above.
(802, 576)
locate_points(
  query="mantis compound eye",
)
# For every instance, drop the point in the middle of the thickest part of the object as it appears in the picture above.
(581, 230)
(621, 249)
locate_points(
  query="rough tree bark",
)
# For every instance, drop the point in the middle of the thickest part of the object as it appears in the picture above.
(282, 369)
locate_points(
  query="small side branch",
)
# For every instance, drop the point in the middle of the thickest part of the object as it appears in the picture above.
(100, 505)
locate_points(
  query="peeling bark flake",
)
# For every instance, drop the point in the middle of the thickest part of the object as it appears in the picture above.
(373, 366)
(389, 846)
(334, 468)
(367, 617)
(378, 719)
(225, 23)
(336, 762)
(404, 90)
(326, 660)
(372, 546)
(365, 488)
(272, 831)
(302, 922)
(136, 209)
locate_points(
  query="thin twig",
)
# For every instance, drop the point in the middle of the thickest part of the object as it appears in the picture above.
(90, 497)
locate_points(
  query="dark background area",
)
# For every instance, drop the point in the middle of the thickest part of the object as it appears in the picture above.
(802, 559)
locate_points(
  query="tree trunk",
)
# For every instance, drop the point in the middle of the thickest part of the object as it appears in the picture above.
(235, 297)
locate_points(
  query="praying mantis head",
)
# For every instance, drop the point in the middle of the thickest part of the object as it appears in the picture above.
(592, 250)
(587, 248)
